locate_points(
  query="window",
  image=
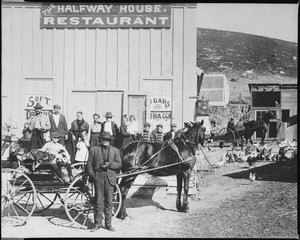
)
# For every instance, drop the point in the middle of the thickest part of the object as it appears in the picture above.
(265, 99)
(285, 115)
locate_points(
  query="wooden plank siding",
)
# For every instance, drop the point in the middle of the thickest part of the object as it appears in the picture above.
(98, 59)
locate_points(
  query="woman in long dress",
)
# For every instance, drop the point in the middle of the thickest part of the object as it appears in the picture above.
(94, 131)
(126, 137)
(133, 127)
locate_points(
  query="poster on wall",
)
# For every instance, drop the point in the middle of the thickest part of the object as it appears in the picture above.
(160, 111)
(32, 99)
(94, 15)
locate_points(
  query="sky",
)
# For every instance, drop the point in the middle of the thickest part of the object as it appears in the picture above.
(278, 21)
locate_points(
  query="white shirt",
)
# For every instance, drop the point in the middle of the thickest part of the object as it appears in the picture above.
(107, 127)
(133, 127)
(56, 119)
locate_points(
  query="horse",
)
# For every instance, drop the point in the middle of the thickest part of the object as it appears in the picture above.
(255, 126)
(148, 155)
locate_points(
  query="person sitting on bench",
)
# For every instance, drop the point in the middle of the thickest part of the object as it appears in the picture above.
(62, 156)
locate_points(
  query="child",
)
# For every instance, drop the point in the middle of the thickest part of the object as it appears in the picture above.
(62, 157)
(82, 152)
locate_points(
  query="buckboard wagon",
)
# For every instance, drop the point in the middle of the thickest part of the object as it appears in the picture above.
(24, 193)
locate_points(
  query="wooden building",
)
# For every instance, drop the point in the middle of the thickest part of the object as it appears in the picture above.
(215, 89)
(282, 100)
(147, 71)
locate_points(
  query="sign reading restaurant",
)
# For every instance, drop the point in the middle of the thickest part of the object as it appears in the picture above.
(93, 15)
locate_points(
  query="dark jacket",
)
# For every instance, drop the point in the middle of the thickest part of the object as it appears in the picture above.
(96, 159)
(168, 135)
(125, 137)
(77, 130)
(62, 127)
(114, 129)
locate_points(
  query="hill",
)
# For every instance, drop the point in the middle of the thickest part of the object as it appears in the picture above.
(233, 53)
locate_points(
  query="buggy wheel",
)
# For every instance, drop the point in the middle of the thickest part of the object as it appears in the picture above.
(78, 168)
(18, 197)
(44, 201)
(227, 135)
(80, 200)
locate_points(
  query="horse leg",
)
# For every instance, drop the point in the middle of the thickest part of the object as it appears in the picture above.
(179, 188)
(125, 185)
(186, 181)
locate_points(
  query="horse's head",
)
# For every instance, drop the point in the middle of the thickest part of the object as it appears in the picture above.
(196, 133)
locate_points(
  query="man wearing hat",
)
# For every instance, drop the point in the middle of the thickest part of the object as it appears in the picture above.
(158, 134)
(231, 124)
(103, 162)
(146, 135)
(39, 125)
(62, 156)
(172, 133)
(59, 124)
(111, 127)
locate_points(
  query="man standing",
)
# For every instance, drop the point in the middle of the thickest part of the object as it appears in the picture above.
(146, 136)
(172, 133)
(59, 124)
(39, 125)
(158, 134)
(102, 164)
(78, 126)
(111, 127)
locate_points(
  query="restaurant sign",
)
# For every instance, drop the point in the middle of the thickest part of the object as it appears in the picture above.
(93, 15)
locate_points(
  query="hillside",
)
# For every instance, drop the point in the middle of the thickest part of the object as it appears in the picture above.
(232, 53)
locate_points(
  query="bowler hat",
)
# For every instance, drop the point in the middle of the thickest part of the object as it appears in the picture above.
(57, 106)
(147, 125)
(159, 125)
(38, 106)
(7, 139)
(108, 115)
(55, 135)
(173, 125)
(106, 136)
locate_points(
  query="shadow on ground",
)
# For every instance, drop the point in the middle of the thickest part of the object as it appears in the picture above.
(275, 171)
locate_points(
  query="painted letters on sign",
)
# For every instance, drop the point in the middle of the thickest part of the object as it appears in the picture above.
(159, 103)
(31, 100)
(77, 15)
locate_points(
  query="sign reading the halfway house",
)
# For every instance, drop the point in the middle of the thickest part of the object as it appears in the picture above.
(78, 15)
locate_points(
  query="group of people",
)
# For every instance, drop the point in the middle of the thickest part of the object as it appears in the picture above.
(97, 144)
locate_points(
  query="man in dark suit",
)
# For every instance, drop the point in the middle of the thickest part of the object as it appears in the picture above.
(58, 124)
(111, 127)
(172, 133)
(102, 164)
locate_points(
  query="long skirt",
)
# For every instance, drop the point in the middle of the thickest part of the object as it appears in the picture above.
(37, 139)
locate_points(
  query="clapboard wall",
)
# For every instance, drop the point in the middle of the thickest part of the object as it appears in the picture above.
(96, 59)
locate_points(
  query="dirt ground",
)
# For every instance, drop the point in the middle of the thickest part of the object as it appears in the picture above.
(226, 205)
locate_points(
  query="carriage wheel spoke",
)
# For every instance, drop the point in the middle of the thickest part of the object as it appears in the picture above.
(17, 215)
(4, 190)
(18, 205)
(23, 196)
(86, 217)
(21, 185)
(40, 201)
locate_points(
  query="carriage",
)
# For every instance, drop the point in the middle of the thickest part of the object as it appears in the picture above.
(228, 135)
(25, 193)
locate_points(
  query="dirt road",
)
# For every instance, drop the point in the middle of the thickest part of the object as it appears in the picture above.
(228, 205)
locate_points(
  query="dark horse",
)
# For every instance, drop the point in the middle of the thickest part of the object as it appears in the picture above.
(255, 126)
(148, 155)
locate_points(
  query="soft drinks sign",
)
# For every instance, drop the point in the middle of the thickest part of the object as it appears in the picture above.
(32, 99)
